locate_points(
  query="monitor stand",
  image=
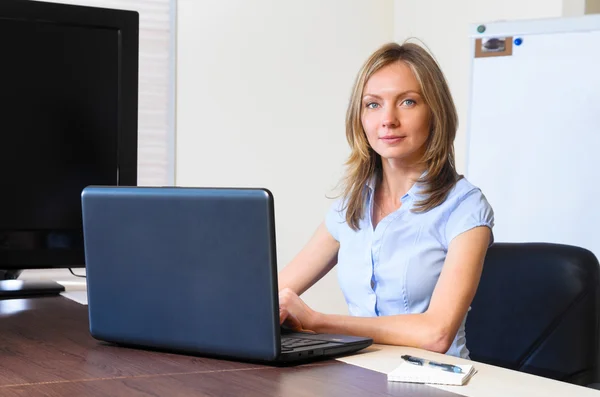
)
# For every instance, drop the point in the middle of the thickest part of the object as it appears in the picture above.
(11, 287)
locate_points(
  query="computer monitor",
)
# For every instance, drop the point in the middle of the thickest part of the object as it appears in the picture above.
(68, 119)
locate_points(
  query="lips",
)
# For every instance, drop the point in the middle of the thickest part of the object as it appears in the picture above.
(392, 138)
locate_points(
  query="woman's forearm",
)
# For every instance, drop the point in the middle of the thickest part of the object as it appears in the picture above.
(415, 330)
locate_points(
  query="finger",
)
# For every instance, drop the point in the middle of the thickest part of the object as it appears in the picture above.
(283, 315)
(292, 322)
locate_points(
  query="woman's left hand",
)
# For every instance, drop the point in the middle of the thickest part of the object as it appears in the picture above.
(294, 313)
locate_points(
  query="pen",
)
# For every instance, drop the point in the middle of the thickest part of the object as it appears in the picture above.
(421, 361)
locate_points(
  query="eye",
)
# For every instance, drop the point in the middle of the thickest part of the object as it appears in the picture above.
(408, 102)
(372, 105)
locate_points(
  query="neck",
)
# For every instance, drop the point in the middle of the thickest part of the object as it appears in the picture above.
(397, 179)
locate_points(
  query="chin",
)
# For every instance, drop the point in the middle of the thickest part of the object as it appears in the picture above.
(401, 153)
(395, 155)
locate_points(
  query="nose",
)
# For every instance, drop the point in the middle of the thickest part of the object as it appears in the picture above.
(390, 118)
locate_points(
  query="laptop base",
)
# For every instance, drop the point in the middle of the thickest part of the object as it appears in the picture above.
(287, 360)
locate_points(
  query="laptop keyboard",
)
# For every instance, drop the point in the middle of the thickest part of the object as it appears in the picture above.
(289, 343)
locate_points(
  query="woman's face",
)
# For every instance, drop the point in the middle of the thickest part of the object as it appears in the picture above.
(394, 115)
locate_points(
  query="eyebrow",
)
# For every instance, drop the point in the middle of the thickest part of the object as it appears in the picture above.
(400, 94)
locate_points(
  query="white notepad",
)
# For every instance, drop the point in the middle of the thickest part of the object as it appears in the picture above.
(408, 372)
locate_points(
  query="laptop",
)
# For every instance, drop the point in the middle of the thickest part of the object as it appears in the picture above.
(191, 270)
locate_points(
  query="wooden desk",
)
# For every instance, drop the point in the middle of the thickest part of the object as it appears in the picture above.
(46, 350)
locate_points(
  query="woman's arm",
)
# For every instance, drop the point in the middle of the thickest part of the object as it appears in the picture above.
(433, 330)
(315, 260)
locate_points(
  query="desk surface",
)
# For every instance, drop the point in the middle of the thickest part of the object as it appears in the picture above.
(46, 349)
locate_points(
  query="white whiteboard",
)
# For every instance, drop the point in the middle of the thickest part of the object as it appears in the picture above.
(534, 131)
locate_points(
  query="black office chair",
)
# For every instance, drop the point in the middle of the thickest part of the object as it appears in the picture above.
(537, 311)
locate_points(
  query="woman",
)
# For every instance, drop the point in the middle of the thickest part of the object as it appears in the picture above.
(409, 235)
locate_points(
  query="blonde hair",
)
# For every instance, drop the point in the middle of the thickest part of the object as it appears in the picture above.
(364, 162)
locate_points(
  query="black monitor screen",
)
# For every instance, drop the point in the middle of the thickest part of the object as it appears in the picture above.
(68, 119)
(59, 120)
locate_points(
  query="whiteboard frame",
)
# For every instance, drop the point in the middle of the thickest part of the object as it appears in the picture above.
(582, 23)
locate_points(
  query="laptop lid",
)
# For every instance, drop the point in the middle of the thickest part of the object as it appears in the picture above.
(188, 269)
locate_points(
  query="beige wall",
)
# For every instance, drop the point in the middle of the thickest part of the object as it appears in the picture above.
(262, 93)
(573, 8)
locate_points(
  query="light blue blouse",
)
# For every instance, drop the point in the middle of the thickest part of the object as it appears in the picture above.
(394, 268)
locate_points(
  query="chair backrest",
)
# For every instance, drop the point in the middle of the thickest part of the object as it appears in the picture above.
(536, 310)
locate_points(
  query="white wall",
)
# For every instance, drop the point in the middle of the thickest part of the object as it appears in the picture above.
(262, 93)
(443, 27)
